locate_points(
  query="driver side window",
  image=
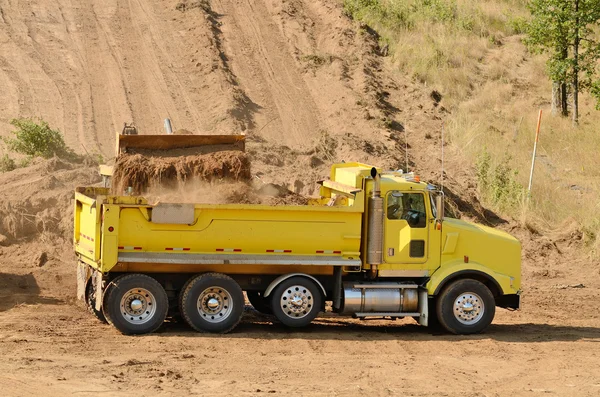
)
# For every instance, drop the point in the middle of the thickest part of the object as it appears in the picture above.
(407, 206)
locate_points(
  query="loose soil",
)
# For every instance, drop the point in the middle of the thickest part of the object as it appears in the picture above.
(139, 172)
(308, 87)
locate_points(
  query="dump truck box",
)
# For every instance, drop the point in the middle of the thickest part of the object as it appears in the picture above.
(126, 233)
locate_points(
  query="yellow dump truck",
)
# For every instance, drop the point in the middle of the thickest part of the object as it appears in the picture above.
(376, 244)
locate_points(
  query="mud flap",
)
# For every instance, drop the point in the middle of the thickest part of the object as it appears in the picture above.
(423, 307)
(83, 275)
(99, 290)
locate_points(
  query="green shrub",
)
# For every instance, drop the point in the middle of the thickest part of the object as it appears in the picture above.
(498, 184)
(7, 163)
(35, 138)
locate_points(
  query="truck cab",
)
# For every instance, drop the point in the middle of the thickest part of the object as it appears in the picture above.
(420, 243)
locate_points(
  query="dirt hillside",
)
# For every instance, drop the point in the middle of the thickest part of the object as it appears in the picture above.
(308, 86)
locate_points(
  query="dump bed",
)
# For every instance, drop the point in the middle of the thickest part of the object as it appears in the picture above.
(125, 233)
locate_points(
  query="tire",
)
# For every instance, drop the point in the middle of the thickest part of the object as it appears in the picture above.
(136, 304)
(259, 302)
(215, 289)
(90, 302)
(308, 300)
(465, 307)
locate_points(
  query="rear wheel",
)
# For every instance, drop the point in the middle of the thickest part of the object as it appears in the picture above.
(259, 302)
(90, 301)
(136, 304)
(466, 307)
(212, 302)
(296, 302)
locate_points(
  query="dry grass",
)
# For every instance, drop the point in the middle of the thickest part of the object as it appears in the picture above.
(501, 117)
(474, 56)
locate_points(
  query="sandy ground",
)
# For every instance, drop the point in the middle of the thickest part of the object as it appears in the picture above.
(52, 346)
(308, 87)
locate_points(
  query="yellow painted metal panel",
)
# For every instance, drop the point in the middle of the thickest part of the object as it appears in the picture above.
(86, 235)
(229, 269)
(507, 285)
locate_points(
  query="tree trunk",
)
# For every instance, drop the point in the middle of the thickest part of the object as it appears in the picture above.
(564, 98)
(555, 97)
(576, 67)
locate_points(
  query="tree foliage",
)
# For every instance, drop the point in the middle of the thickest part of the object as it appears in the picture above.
(35, 138)
(567, 31)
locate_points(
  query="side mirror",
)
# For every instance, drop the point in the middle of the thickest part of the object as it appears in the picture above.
(439, 204)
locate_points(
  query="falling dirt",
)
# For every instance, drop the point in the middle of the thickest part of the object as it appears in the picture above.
(139, 172)
(308, 87)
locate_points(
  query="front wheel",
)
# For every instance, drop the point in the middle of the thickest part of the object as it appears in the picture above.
(296, 302)
(136, 304)
(466, 307)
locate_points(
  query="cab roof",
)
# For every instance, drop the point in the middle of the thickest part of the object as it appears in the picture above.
(353, 174)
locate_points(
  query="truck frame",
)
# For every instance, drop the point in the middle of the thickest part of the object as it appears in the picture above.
(375, 244)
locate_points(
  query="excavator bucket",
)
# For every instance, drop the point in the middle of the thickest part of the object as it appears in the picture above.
(200, 144)
(178, 143)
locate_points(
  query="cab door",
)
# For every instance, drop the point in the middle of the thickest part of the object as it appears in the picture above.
(406, 228)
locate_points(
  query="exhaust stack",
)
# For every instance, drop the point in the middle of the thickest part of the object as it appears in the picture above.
(375, 224)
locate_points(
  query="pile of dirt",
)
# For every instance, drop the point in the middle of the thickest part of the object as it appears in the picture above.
(140, 172)
(37, 199)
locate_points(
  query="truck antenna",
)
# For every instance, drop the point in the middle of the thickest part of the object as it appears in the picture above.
(442, 174)
(406, 148)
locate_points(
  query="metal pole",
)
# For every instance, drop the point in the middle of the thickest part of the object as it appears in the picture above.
(442, 175)
(406, 148)
(168, 127)
(537, 137)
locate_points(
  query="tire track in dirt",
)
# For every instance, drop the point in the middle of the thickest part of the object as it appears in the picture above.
(267, 72)
(87, 67)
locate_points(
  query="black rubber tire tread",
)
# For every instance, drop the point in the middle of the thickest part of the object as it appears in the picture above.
(445, 307)
(259, 302)
(112, 301)
(316, 305)
(90, 303)
(189, 297)
(105, 304)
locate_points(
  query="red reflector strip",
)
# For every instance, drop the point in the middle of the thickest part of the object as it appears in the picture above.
(129, 247)
(229, 250)
(121, 248)
(177, 249)
(328, 252)
(86, 237)
(284, 251)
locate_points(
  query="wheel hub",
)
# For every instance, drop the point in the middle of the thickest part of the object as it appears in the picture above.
(137, 306)
(469, 308)
(214, 304)
(296, 301)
